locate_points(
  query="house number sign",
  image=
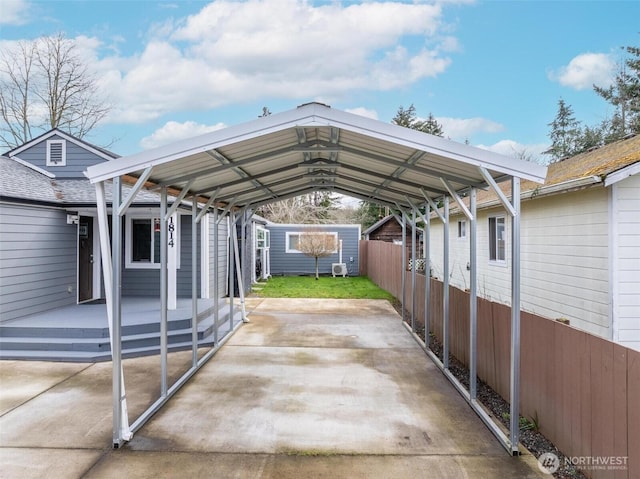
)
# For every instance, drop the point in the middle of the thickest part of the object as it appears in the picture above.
(171, 229)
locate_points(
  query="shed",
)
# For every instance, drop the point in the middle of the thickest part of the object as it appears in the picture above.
(286, 259)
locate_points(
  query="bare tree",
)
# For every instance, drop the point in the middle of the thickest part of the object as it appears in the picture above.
(291, 210)
(312, 208)
(45, 84)
(317, 244)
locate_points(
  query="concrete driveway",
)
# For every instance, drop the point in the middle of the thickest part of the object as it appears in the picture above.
(310, 388)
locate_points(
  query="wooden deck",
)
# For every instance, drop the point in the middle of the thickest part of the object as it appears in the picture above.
(80, 332)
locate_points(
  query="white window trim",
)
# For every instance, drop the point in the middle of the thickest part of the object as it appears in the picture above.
(129, 263)
(501, 262)
(64, 152)
(464, 235)
(267, 238)
(300, 233)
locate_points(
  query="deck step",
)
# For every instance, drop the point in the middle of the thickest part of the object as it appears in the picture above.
(86, 345)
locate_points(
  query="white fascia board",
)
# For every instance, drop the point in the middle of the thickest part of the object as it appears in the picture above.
(32, 142)
(32, 166)
(620, 175)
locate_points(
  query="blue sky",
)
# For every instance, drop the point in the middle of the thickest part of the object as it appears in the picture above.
(491, 72)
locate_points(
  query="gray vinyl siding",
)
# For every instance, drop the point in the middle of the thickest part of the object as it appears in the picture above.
(38, 260)
(221, 275)
(146, 282)
(78, 158)
(283, 263)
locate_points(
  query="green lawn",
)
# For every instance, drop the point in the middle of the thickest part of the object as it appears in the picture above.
(357, 287)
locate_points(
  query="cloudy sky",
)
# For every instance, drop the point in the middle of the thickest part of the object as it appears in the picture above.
(491, 72)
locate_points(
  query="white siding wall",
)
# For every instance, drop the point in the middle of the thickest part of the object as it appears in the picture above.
(625, 278)
(564, 249)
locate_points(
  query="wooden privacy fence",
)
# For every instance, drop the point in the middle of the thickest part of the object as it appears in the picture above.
(583, 389)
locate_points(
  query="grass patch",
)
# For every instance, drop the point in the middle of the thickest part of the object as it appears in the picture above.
(350, 287)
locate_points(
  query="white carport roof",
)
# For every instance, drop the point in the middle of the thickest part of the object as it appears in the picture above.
(316, 147)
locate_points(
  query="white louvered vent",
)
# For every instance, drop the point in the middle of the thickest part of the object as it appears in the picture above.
(56, 153)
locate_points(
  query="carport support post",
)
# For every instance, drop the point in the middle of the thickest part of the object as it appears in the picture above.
(515, 317)
(445, 286)
(239, 275)
(473, 297)
(232, 235)
(121, 431)
(404, 262)
(164, 276)
(427, 273)
(194, 281)
(413, 272)
(216, 277)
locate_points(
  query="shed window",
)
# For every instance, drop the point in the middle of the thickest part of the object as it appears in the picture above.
(497, 240)
(56, 153)
(329, 239)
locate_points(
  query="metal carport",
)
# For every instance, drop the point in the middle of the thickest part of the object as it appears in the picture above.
(313, 147)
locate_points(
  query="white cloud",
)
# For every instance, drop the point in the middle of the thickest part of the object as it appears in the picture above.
(462, 128)
(232, 52)
(173, 131)
(586, 70)
(362, 111)
(15, 12)
(514, 149)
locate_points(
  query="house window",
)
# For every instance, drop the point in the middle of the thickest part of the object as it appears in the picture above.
(293, 240)
(497, 240)
(56, 153)
(462, 229)
(142, 238)
(263, 238)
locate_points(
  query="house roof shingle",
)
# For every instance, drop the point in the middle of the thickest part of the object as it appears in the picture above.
(598, 162)
(21, 182)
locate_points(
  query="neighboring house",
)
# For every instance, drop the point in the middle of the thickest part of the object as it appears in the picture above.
(286, 259)
(580, 243)
(49, 241)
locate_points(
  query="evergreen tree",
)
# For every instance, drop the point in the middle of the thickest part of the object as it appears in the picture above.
(409, 119)
(591, 137)
(624, 96)
(565, 133)
(369, 213)
(432, 126)
(406, 118)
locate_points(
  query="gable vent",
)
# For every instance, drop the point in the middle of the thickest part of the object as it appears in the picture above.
(56, 153)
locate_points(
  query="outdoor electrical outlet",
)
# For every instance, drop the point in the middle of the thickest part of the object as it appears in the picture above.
(69, 289)
(350, 259)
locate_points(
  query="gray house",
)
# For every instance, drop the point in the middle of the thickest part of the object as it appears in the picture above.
(49, 241)
(286, 259)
